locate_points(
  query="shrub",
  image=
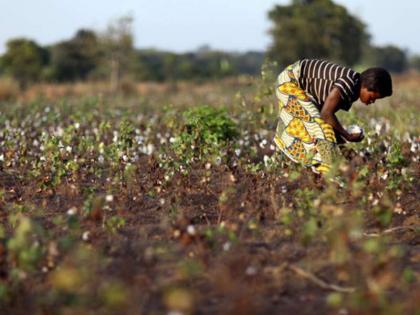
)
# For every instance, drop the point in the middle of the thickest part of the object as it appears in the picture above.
(209, 125)
(205, 130)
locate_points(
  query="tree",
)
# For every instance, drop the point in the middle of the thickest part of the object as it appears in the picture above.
(24, 60)
(315, 29)
(249, 62)
(118, 48)
(391, 58)
(76, 58)
(148, 65)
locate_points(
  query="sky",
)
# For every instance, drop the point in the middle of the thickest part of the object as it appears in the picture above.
(185, 25)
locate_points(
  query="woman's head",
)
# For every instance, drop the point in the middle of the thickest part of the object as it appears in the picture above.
(375, 83)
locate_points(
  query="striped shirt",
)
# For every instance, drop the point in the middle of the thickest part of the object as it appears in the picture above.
(318, 77)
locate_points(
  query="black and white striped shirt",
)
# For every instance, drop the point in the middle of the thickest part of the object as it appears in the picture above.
(318, 77)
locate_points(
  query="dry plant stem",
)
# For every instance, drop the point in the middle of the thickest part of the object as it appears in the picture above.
(319, 282)
(220, 216)
(392, 230)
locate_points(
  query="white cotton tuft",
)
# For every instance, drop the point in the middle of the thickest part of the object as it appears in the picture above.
(355, 129)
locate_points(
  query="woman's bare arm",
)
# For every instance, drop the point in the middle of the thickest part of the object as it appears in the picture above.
(331, 106)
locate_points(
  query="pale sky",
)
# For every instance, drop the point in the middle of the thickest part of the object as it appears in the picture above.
(185, 25)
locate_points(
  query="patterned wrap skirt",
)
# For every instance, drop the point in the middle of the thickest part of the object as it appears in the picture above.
(301, 134)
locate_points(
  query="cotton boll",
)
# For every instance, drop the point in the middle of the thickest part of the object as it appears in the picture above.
(191, 230)
(86, 236)
(354, 129)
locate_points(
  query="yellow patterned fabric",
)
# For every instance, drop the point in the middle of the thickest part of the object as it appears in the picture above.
(301, 133)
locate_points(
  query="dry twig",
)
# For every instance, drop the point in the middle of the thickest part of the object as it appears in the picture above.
(392, 230)
(319, 282)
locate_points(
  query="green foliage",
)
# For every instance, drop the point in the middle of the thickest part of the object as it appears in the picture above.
(24, 60)
(395, 162)
(308, 213)
(269, 72)
(318, 28)
(153, 65)
(219, 235)
(390, 57)
(395, 157)
(114, 224)
(126, 134)
(209, 125)
(24, 245)
(205, 130)
(111, 55)
(304, 200)
(74, 59)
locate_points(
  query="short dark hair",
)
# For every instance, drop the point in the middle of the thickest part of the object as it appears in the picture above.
(377, 80)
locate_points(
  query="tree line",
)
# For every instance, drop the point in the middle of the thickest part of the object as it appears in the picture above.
(303, 28)
(111, 55)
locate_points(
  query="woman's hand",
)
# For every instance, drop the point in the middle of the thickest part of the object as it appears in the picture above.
(355, 137)
(331, 106)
